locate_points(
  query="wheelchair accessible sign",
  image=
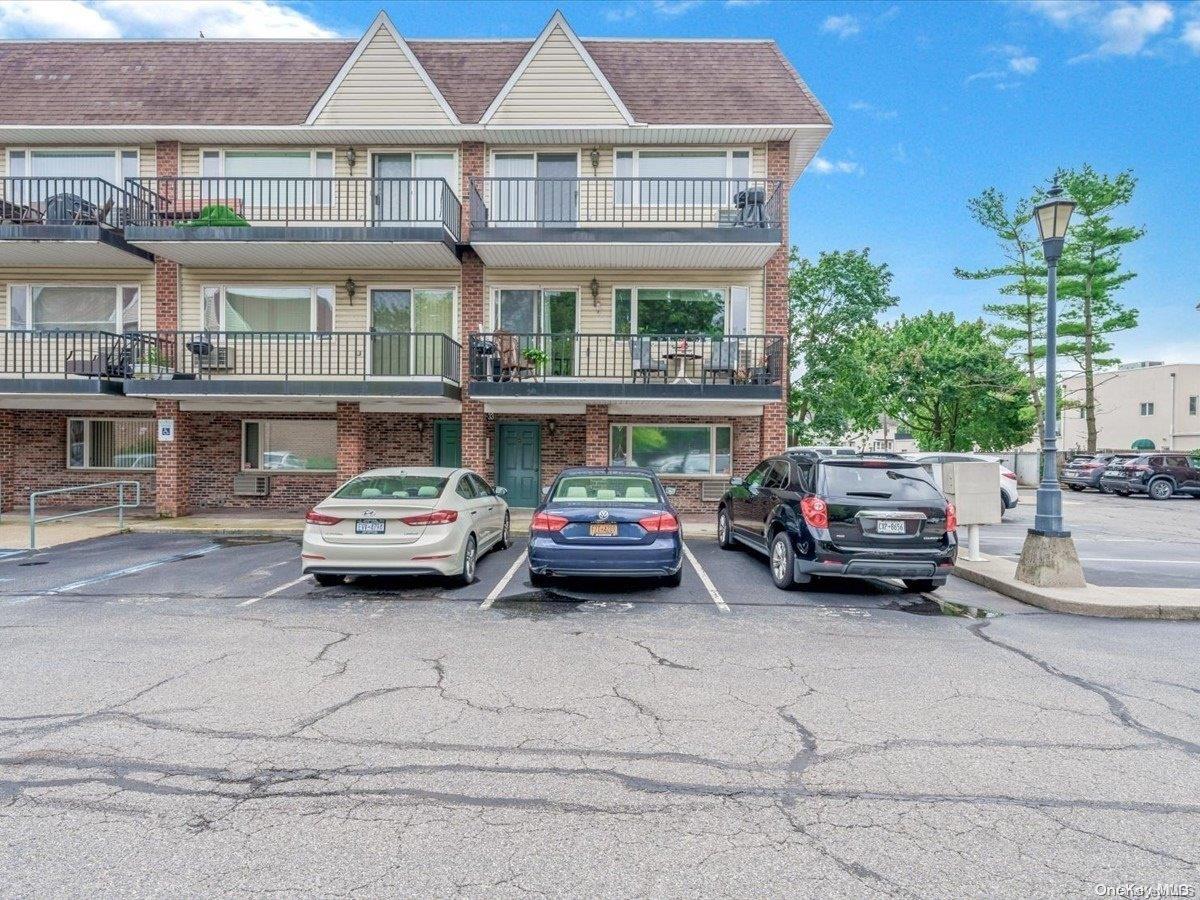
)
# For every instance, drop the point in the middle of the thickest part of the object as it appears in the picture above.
(166, 431)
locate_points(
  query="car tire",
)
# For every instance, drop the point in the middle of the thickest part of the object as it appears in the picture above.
(724, 532)
(327, 580)
(922, 585)
(505, 534)
(674, 580)
(783, 562)
(1102, 489)
(470, 558)
(537, 579)
(1121, 493)
(1075, 487)
(1160, 489)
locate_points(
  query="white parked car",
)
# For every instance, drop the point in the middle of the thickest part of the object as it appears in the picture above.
(405, 522)
(1008, 478)
(826, 450)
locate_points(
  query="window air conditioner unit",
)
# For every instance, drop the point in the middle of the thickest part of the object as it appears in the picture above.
(711, 491)
(216, 358)
(251, 485)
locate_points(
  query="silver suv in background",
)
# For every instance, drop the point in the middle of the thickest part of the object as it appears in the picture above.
(1008, 478)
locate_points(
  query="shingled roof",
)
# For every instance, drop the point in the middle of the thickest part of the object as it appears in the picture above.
(211, 82)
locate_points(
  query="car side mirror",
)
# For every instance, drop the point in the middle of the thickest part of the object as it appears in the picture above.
(735, 481)
(545, 490)
(501, 490)
(670, 489)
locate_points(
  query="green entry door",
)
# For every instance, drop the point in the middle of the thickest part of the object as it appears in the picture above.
(518, 462)
(447, 444)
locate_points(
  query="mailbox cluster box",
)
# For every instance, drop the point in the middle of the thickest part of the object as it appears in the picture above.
(973, 488)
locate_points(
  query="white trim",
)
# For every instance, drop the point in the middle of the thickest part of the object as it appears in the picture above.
(221, 288)
(118, 286)
(559, 20)
(118, 179)
(413, 151)
(673, 286)
(518, 150)
(381, 21)
(416, 286)
(262, 442)
(294, 150)
(494, 299)
(87, 444)
(712, 446)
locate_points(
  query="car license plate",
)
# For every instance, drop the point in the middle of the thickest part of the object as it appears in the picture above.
(889, 526)
(603, 529)
(369, 526)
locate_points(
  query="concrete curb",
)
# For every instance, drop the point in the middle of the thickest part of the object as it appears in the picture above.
(999, 575)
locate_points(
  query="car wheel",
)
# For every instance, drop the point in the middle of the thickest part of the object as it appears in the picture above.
(1161, 489)
(325, 580)
(537, 579)
(783, 562)
(505, 534)
(673, 580)
(470, 554)
(1121, 493)
(1075, 487)
(724, 533)
(922, 585)
(1102, 489)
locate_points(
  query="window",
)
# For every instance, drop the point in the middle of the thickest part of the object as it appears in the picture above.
(392, 487)
(696, 450)
(590, 489)
(656, 171)
(111, 444)
(266, 163)
(1147, 409)
(1193, 402)
(290, 445)
(465, 488)
(670, 311)
(268, 308)
(482, 488)
(907, 483)
(73, 307)
(113, 166)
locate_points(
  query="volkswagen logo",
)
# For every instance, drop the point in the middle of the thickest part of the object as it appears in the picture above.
(602, 515)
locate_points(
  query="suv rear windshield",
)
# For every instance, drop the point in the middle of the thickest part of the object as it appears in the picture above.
(637, 489)
(393, 487)
(879, 482)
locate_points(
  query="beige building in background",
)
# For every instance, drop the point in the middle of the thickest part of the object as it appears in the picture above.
(1147, 400)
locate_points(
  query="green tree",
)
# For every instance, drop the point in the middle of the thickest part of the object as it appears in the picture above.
(1090, 273)
(954, 386)
(833, 305)
(1022, 325)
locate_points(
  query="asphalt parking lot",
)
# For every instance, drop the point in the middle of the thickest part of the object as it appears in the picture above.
(183, 715)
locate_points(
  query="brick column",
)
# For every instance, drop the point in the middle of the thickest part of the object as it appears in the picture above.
(474, 424)
(171, 465)
(351, 441)
(473, 156)
(775, 299)
(596, 435)
(8, 456)
(166, 272)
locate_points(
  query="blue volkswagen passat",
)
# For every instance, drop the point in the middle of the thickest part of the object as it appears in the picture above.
(605, 522)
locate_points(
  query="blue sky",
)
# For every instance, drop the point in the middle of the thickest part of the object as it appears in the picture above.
(932, 102)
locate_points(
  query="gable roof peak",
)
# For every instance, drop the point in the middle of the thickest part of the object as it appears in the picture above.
(382, 21)
(558, 21)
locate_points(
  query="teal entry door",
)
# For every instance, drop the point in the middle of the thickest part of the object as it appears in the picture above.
(447, 444)
(519, 462)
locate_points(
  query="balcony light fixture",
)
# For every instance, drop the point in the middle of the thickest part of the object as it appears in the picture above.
(595, 158)
(551, 426)
(594, 287)
(351, 289)
(422, 427)
(351, 158)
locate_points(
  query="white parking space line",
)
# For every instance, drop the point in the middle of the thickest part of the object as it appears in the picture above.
(274, 591)
(499, 588)
(132, 570)
(1136, 559)
(705, 580)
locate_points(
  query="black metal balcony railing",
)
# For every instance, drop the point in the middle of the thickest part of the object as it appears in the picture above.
(39, 354)
(301, 201)
(69, 201)
(620, 202)
(293, 354)
(664, 359)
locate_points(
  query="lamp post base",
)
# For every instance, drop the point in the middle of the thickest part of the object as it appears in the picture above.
(1050, 560)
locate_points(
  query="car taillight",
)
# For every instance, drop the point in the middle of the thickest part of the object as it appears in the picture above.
(1013, 475)
(951, 518)
(437, 517)
(544, 521)
(815, 511)
(316, 518)
(660, 523)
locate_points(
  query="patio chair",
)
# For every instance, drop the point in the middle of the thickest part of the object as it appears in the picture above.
(93, 215)
(114, 361)
(19, 213)
(513, 365)
(722, 360)
(771, 369)
(643, 361)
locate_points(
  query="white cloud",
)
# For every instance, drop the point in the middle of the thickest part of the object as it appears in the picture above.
(673, 8)
(1118, 28)
(1012, 63)
(620, 13)
(1023, 65)
(155, 18)
(875, 112)
(1191, 35)
(736, 3)
(822, 166)
(843, 26)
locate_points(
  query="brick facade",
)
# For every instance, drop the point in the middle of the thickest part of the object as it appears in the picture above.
(473, 160)
(173, 458)
(8, 453)
(351, 441)
(399, 439)
(597, 437)
(472, 306)
(773, 436)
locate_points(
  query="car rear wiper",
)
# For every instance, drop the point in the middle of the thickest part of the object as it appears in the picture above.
(880, 494)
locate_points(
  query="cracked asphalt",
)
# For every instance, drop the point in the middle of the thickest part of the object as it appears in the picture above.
(181, 716)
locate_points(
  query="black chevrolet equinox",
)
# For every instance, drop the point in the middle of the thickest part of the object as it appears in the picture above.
(842, 516)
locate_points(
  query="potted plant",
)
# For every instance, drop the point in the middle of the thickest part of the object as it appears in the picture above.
(537, 359)
(153, 364)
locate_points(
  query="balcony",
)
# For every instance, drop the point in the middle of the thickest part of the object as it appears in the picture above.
(660, 223)
(73, 363)
(623, 367)
(71, 222)
(388, 223)
(288, 364)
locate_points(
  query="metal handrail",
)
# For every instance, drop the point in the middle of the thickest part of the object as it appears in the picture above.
(120, 506)
(41, 200)
(179, 200)
(501, 201)
(91, 354)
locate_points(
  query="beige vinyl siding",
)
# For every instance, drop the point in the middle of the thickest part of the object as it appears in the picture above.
(142, 277)
(382, 88)
(556, 87)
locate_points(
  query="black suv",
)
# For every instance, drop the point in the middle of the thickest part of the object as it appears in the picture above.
(1086, 471)
(848, 516)
(1161, 475)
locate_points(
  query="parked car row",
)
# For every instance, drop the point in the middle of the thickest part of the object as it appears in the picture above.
(1159, 475)
(868, 515)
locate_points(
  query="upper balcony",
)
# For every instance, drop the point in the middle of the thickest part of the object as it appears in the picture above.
(73, 363)
(660, 223)
(244, 222)
(68, 222)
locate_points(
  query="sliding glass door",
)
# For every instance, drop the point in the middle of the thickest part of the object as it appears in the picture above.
(407, 326)
(544, 318)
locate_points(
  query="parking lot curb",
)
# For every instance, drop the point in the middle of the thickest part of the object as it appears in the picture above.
(999, 575)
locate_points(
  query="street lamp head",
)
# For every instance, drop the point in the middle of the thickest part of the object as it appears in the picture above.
(1053, 214)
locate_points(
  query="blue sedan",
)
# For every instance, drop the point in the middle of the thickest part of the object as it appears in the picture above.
(606, 522)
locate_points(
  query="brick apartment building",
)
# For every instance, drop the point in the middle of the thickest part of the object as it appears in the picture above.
(312, 257)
